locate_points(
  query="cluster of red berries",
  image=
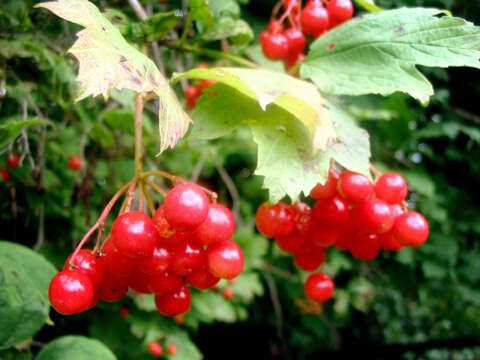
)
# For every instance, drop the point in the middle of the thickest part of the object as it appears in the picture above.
(314, 19)
(351, 213)
(192, 92)
(186, 242)
(13, 160)
(156, 349)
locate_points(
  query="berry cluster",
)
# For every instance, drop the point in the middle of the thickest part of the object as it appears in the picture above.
(314, 19)
(186, 242)
(13, 160)
(192, 92)
(351, 213)
(156, 349)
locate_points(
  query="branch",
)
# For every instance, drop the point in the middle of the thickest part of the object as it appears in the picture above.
(272, 289)
(232, 189)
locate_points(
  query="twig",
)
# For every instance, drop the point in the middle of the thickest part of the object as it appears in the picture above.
(232, 189)
(155, 187)
(466, 114)
(272, 289)
(26, 145)
(278, 272)
(198, 167)
(41, 228)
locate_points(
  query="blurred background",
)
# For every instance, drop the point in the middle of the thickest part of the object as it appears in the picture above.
(419, 303)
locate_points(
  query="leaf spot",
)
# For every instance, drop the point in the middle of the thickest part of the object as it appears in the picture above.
(14, 273)
(399, 30)
(123, 58)
(332, 46)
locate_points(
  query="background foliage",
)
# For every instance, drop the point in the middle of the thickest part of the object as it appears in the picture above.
(413, 303)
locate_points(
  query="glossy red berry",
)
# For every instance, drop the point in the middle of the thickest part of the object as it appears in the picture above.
(123, 312)
(340, 11)
(172, 349)
(218, 226)
(354, 187)
(201, 278)
(389, 242)
(165, 230)
(191, 92)
(332, 212)
(5, 174)
(174, 303)
(228, 293)
(87, 262)
(13, 160)
(275, 46)
(309, 257)
(303, 217)
(391, 187)
(205, 83)
(319, 287)
(275, 26)
(291, 243)
(224, 259)
(345, 239)
(296, 41)
(262, 36)
(190, 104)
(186, 257)
(134, 234)
(323, 235)
(75, 163)
(139, 282)
(114, 262)
(373, 216)
(292, 60)
(411, 229)
(71, 292)
(164, 283)
(314, 19)
(158, 262)
(186, 206)
(365, 247)
(328, 190)
(291, 5)
(155, 349)
(275, 220)
(112, 288)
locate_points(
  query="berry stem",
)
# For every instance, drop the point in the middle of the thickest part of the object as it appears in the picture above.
(155, 187)
(150, 203)
(295, 68)
(375, 172)
(188, 24)
(129, 197)
(138, 135)
(172, 178)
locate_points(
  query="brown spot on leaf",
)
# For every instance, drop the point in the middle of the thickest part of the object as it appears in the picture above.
(135, 80)
(152, 79)
(139, 73)
(270, 137)
(14, 273)
(399, 30)
(123, 58)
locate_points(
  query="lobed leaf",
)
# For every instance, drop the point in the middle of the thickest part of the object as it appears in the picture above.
(75, 347)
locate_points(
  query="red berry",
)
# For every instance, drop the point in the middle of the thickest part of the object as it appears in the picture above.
(157, 263)
(309, 257)
(373, 216)
(339, 11)
(275, 46)
(228, 293)
(296, 41)
(138, 282)
(164, 283)
(291, 61)
(155, 349)
(293, 5)
(411, 229)
(319, 287)
(314, 19)
(303, 217)
(224, 259)
(290, 243)
(218, 226)
(345, 239)
(354, 186)
(174, 303)
(275, 26)
(123, 312)
(75, 163)
(172, 349)
(202, 66)
(191, 92)
(388, 242)
(275, 220)
(201, 278)
(134, 234)
(205, 83)
(391, 187)
(365, 247)
(262, 36)
(13, 160)
(114, 262)
(191, 103)
(5, 174)
(179, 319)
(328, 190)
(333, 212)
(112, 288)
(186, 257)
(186, 206)
(87, 262)
(396, 210)
(323, 235)
(165, 230)
(71, 292)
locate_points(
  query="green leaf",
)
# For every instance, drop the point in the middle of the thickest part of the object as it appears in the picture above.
(75, 347)
(107, 61)
(369, 5)
(377, 53)
(211, 306)
(247, 286)
(236, 30)
(14, 126)
(24, 305)
(254, 247)
(200, 11)
(288, 118)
